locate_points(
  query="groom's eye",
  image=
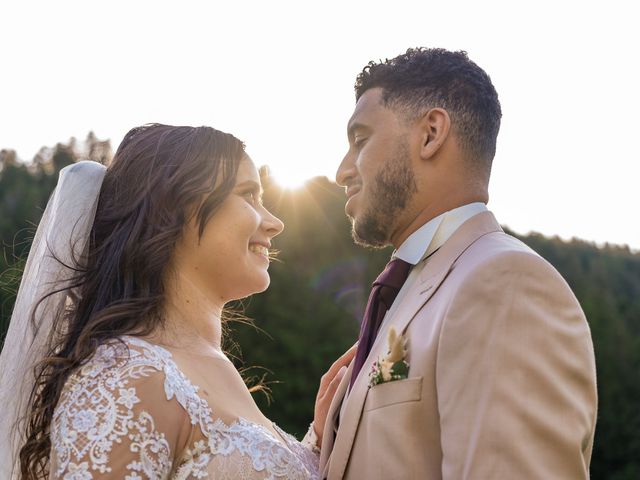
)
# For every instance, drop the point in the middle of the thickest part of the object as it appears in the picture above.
(358, 141)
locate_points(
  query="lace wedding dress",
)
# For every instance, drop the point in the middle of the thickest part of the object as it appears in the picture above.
(130, 412)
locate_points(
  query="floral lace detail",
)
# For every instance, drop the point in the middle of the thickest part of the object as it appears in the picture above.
(100, 408)
(310, 460)
(97, 410)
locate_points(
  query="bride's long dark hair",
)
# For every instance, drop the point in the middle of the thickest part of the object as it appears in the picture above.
(158, 175)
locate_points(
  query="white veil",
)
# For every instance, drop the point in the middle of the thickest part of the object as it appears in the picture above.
(63, 233)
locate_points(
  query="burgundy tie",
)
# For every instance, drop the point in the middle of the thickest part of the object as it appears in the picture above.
(384, 292)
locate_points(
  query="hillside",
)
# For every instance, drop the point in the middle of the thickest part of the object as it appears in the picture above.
(319, 287)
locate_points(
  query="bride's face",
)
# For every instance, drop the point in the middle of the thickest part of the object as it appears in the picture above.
(231, 259)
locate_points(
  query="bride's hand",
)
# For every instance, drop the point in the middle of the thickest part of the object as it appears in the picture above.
(328, 386)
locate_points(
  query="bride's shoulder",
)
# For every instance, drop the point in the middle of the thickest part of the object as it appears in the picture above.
(123, 359)
(128, 372)
(128, 401)
(134, 373)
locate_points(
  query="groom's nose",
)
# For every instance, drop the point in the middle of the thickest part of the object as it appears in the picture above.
(346, 171)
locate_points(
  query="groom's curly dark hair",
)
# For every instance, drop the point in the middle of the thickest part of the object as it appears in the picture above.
(424, 78)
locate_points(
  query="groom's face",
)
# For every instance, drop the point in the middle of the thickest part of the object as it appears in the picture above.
(376, 171)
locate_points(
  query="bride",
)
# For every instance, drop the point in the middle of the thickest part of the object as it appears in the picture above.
(119, 315)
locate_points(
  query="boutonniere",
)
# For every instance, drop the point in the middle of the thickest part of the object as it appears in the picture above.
(392, 366)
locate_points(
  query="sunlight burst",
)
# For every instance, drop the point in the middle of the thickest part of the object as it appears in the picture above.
(290, 180)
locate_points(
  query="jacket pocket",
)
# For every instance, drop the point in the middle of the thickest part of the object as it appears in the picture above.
(391, 393)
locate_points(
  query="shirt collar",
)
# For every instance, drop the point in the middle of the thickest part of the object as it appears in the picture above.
(433, 234)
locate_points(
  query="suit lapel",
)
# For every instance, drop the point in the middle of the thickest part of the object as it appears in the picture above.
(429, 279)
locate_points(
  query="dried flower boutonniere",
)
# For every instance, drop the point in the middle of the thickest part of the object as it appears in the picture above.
(392, 366)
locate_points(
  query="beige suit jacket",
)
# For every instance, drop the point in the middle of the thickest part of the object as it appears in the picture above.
(502, 381)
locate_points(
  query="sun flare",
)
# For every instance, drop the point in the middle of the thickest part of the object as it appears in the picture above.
(290, 180)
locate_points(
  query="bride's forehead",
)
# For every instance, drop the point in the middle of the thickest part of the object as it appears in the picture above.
(247, 170)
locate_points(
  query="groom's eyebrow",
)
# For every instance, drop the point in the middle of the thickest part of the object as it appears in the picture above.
(353, 127)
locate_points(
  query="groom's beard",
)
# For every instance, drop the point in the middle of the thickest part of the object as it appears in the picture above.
(391, 190)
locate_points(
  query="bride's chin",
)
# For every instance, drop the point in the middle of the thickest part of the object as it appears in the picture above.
(264, 284)
(256, 285)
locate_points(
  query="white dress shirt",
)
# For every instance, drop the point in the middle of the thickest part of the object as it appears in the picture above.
(429, 238)
(432, 235)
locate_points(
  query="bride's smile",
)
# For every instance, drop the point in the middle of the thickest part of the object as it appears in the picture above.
(230, 258)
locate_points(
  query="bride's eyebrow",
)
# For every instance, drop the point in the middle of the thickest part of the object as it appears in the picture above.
(250, 185)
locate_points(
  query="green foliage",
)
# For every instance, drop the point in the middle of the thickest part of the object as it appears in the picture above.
(24, 191)
(312, 310)
(310, 315)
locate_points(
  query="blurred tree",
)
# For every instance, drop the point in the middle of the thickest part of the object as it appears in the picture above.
(312, 310)
(24, 191)
(96, 150)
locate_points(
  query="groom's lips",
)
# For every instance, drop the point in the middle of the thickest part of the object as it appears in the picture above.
(351, 192)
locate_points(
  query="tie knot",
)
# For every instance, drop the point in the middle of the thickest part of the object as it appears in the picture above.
(393, 276)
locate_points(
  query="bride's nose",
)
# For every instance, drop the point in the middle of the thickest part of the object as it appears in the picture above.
(271, 224)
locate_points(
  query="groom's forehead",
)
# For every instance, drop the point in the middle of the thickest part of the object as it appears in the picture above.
(367, 106)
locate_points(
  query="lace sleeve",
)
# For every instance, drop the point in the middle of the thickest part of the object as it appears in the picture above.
(114, 420)
(309, 457)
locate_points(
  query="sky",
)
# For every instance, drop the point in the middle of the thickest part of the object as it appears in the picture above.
(279, 75)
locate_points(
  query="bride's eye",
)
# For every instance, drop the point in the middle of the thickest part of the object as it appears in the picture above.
(253, 197)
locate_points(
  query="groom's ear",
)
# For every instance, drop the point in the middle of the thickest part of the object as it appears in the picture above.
(434, 127)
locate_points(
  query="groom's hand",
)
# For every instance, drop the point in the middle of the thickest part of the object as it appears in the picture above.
(328, 386)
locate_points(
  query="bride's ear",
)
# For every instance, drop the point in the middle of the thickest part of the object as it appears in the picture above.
(434, 130)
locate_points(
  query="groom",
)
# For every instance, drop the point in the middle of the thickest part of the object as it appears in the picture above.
(501, 380)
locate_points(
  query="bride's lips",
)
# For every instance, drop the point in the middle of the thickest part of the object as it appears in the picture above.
(260, 248)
